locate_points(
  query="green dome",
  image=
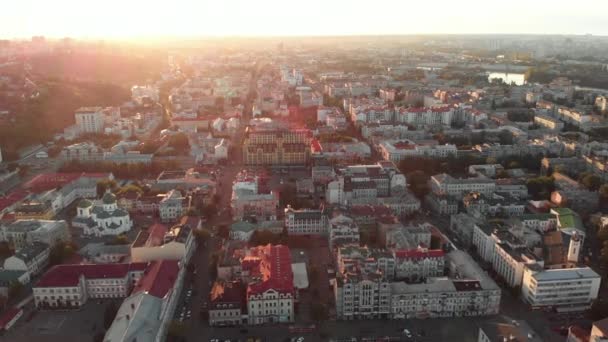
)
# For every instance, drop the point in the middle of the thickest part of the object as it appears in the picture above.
(109, 198)
(85, 203)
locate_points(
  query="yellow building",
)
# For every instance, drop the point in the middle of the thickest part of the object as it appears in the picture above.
(276, 147)
(34, 211)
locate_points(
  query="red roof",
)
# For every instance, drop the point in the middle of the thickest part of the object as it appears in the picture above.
(316, 146)
(159, 278)
(8, 316)
(69, 275)
(12, 198)
(157, 234)
(274, 269)
(419, 254)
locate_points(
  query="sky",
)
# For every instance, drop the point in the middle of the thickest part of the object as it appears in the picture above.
(152, 18)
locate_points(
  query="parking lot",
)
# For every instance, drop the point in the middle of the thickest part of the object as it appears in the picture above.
(65, 326)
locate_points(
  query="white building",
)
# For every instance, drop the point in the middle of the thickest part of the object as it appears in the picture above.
(140, 93)
(90, 119)
(70, 286)
(444, 184)
(172, 206)
(33, 259)
(102, 218)
(22, 233)
(399, 150)
(568, 289)
(343, 231)
(305, 221)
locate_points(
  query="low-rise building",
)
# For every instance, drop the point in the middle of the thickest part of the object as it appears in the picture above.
(227, 303)
(568, 289)
(162, 243)
(305, 221)
(172, 206)
(33, 258)
(504, 330)
(102, 218)
(24, 232)
(70, 286)
(444, 184)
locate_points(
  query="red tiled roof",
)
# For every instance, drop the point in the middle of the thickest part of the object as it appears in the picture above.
(419, 254)
(316, 146)
(8, 316)
(12, 198)
(156, 235)
(69, 275)
(275, 270)
(158, 278)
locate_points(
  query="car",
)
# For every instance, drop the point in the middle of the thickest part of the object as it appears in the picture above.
(407, 333)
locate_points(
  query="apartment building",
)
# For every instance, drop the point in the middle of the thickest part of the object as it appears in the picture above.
(399, 150)
(444, 184)
(276, 146)
(33, 259)
(568, 289)
(414, 265)
(305, 221)
(22, 233)
(226, 303)
(90, 119)
(270, 289)
(172, 206)
(70, 286)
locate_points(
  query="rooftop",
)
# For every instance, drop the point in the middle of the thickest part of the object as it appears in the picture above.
(69, 275)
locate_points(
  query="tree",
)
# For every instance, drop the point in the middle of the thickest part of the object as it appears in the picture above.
(540, 187)
(61, 251)
(121, 239)
(176, 331)
(201, 235)
(109, 313)
(5, 250)
(223, 231)
(505, 137)
(264, 237)
(591, 182)
(418, 181)
(319, 312)
(104, 185)
(209, 211)
(180, 143)
(15, 289)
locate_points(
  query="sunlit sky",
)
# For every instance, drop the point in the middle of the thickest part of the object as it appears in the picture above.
(150, 18)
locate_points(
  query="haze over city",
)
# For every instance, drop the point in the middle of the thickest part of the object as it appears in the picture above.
(117, 19)
(325, 171)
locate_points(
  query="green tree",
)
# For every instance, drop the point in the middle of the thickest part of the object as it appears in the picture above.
(319, 312)
(15, 289)
(223, 231)
(180, 143)
(591, 182)
(418, 182)
(109, 314)
(201, 235)
(5, 249)
(104, 185)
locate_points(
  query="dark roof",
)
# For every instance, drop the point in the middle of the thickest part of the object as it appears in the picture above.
(31, 251)
(69, 275)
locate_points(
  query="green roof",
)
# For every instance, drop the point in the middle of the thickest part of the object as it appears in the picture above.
(568, 219)
(109, 198)
(85, 203)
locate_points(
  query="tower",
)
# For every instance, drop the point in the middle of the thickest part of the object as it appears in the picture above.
(574, 247)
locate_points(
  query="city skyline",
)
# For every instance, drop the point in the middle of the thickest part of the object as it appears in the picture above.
(138, 19)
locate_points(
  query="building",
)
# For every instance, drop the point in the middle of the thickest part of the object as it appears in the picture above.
(567, 289)
(100, 253)
(10, 277)
(502, 330)
(141, 94)
(276, 147)
(227, 303)
(162, 243)
(363, 184)
(102, 218)
(243, 230)
(149, 309)
(90, 119)
(425, 116)
(441, 204)
(82, 152)
(172, 206)
(249, 201)
(415, 265)
(70, 286)
(270, 290)
(343, 231)
(397, 151)
(33, 258)
(444, 184)
(548, 122)
(24, 232)
(9, 318)
(305, 221)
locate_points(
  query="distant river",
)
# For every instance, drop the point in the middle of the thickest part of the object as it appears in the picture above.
(518, 79)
